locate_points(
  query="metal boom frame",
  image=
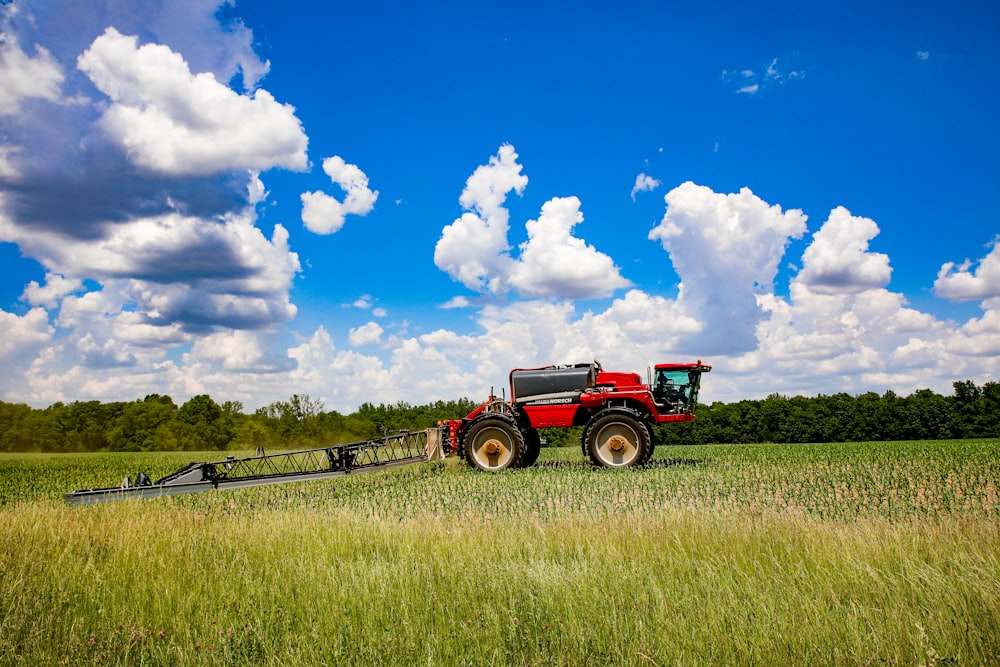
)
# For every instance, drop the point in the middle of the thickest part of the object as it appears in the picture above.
(392, 451)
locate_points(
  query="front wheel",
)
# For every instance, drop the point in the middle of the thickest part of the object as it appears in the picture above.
(493, 443)
(618, 439)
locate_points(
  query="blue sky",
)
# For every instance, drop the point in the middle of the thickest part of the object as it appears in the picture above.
(383, 202)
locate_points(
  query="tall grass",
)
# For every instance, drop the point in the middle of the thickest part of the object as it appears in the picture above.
(714, 555)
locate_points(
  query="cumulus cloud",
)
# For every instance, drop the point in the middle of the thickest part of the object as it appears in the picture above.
(52, 292)
(838, 259)
(636, 330)
(456, 302)
(170, 120)
(980, 337)
(839, 328)
(324, 214)
(110, 354)
(366, 334)
(726, 249)
(179, 269)
(23, 77)
(962, 282)
(59, 167)
(238, 351)
(644, 183)
(808, 342)
(130, 172)
(21, 336)
(824, 342)
(474, 249)
(555, 263)
(853, 334)
(71, 198)
(207, 32)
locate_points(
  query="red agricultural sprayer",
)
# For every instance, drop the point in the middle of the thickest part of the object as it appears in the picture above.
(616, 410)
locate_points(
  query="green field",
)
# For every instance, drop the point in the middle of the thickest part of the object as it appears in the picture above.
(863, 553)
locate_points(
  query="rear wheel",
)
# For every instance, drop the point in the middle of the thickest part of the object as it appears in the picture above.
(618, 439)
(493, 443)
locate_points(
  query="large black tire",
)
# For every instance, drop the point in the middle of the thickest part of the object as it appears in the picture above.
(492, 442)
(618, 438)
(532, 447)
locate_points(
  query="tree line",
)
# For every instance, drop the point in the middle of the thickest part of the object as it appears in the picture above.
(157, 423)
(970, 412)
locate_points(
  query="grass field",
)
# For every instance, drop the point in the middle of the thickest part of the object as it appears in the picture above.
(867, 553)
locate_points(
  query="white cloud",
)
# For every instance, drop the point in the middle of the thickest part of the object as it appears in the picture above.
(487, 188)
(643, 320)
(838, 259)
(726, 250)
(175, 269)
(366, 334)
(644, 183)
(23, 77)
(21, 336)
(960, 282)
(809, 343)
(109, 355)
(367, 302)
(475, 251)
(474, 248)
(170, 120)
(238, 352)
(456, 302)
(207, 32)
(848, 335)
(324, 214)
(133, 328)
(364, 302)
(768, 75)
(194, 29)
(55, 288)
(555, 263)
(256, 193)
(980, 337)
(141, 262)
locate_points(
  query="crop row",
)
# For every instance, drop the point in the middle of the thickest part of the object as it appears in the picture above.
(838, 481)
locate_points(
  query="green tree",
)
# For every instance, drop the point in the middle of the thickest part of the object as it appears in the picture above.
(136, 427)
(199, 424)
(15, 427)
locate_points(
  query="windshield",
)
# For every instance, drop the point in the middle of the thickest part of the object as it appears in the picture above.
(678, 390)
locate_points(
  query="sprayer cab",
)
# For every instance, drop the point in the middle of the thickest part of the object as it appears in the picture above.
(676, 385)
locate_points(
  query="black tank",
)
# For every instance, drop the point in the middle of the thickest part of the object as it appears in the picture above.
(552, 380)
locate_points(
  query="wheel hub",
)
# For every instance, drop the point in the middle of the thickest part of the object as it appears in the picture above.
(492, 447)
(617, 443)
